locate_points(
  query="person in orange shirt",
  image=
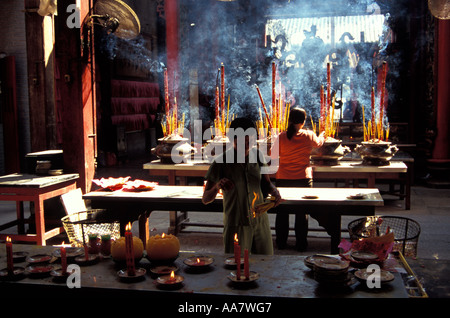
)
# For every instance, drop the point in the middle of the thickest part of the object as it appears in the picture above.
(291, 152)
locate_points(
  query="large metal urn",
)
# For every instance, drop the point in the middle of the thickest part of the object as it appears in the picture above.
(329, 153)
(377, 153)
(215, 147)
(173, 149)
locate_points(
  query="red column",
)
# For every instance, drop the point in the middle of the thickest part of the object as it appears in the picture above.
(441, 151)
(171, 12)
(439, 165)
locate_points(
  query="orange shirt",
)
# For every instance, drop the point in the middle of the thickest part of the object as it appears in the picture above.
(294, 154)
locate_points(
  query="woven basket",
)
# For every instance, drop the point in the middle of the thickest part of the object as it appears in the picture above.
(79, 226)
(406, 232)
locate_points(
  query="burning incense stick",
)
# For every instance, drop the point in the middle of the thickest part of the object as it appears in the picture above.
(264, 106)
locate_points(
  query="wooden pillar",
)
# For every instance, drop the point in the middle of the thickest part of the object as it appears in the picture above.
(441, 149)
(39, 37)
(75, 62)
(8, 113)
(439, 164)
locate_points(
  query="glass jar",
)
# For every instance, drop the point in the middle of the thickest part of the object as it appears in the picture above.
(94, 247)
(105, 247)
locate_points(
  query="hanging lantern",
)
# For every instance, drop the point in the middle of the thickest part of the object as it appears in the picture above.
(440, 8)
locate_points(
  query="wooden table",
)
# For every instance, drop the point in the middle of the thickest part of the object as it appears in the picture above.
(331, 202)
(396, 170)
(346, 169)
(283, 279)
(33, 188)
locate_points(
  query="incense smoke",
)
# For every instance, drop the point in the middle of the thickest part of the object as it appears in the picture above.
(214, 32)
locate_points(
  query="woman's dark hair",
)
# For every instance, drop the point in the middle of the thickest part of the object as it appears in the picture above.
(297, 115)
(243, 122)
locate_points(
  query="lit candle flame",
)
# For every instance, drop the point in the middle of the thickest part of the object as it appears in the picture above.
(236, 238)
(163, 235)
(198, 260)
(172, 275)
(256, 196)
(128, 227)
(8, 239)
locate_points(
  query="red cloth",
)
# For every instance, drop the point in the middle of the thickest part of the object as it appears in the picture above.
(140, 105)
(123, 88)
(131, 122)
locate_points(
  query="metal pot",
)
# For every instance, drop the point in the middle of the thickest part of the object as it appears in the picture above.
(173, 149)
(376, 153)
(329, 153)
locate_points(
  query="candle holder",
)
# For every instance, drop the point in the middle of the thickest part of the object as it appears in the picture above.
(39, 258)
(362, 275)
(139, 274)
(332, 272)
(168, 282)
(59, 276)
(162, 270)
(198, 263)
(310, 260)
(39, 270)
(90, 260)
(17, 274)
(231, 262)
(242, 279)
(19, 257)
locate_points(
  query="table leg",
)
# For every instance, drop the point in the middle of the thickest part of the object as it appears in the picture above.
(40, 221)
(408, 193)
(20, 217)
(371, 181)
(144, 229)
(335, 232)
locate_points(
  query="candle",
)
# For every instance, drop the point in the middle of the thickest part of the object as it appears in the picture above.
(237, 256)
(172, 277)
(199, 262)
(246, 265)
(9, 255)
(63, 259)
(129, 251)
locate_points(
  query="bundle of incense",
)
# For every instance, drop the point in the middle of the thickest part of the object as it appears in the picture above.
(222, 116)
(263, 207)
(376, 130)
(170, 118)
